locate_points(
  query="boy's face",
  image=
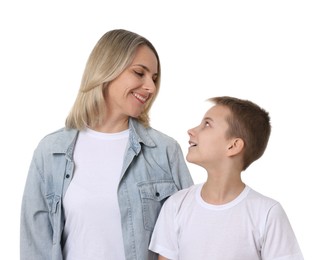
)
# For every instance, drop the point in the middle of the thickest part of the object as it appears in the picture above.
(208, 142)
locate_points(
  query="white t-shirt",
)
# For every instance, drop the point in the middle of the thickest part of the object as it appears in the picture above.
(93, 222)
(250, 227)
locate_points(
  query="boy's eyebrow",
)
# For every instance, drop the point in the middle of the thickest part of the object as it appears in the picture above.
(207, 118)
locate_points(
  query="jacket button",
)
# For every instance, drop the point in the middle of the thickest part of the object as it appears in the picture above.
(157, 194)
(67, 176)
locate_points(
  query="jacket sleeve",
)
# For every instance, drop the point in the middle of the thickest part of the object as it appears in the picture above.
(36, 232)
(179, 169)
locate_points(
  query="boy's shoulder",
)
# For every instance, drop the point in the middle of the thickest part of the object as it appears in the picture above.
(184, 196)
(261, 201)
(255, 195)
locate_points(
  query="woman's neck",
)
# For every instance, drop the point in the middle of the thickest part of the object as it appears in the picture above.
(113, 126)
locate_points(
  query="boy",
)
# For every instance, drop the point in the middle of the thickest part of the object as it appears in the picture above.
(224, 218)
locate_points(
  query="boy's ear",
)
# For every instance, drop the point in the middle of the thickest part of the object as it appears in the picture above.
(236, 145)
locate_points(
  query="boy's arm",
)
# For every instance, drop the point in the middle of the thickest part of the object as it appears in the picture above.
(279, 236)
(164, 236)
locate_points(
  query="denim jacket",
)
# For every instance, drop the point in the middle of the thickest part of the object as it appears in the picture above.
(153, 169)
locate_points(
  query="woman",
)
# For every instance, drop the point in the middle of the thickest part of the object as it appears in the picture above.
(95, 188)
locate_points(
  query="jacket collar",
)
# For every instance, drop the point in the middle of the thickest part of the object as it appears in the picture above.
(139, 134)
(66, 140)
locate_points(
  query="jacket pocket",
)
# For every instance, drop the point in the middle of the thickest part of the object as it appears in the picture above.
(153, 194)
(54, 215)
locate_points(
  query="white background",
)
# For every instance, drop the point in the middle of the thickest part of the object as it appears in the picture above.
(265, 51)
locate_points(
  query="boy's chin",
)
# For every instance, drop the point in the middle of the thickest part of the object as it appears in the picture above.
(189, 159)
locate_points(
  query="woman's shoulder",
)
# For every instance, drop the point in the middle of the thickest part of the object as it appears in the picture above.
(151, 135)
(59, 139)
(157, 133)
(61, 133)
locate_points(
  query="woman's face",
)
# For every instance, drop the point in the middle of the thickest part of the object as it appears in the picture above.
(128, 94)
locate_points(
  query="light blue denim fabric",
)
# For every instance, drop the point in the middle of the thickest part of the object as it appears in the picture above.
(153, 169)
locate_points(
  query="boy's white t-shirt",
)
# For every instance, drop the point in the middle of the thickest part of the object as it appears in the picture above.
(250, 227)
(93, 222)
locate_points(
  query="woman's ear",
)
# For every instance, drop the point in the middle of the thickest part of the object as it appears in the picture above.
(236, 146)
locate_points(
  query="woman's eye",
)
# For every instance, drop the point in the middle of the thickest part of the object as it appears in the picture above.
(140, 74)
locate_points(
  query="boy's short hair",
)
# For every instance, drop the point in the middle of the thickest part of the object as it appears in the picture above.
(249, 122)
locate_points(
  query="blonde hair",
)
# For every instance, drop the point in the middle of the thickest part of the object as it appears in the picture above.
(112, 54)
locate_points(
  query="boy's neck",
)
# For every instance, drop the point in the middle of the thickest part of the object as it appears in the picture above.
(219, 190)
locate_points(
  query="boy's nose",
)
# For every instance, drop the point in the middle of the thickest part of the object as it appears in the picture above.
(191, 131)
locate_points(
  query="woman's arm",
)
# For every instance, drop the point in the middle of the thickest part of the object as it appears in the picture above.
(36, 234)
(179, 168)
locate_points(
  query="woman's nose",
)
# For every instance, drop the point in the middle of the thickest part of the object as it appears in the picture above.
(149, 85)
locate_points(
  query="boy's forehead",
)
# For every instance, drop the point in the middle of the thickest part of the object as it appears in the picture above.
(217, 111)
